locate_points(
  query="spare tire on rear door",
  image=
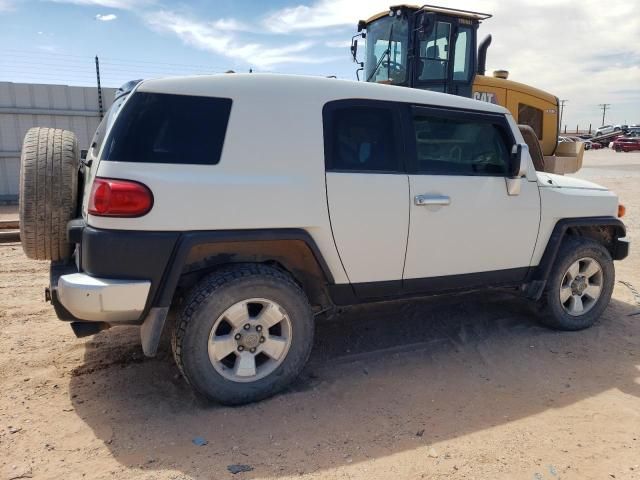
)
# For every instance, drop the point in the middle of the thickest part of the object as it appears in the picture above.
(48, 192)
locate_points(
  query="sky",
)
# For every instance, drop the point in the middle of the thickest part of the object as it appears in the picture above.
(584, 51)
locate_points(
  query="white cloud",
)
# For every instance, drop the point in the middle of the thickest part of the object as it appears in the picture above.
(338, 43)
(6, 5)
(574, 49)
(323, 14)
(119, 4)
(209, 36)
(231, 25)
(106, 18)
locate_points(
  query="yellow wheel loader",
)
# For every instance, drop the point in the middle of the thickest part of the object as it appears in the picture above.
(435, 48)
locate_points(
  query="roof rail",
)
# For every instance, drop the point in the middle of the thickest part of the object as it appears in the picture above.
(435, 8)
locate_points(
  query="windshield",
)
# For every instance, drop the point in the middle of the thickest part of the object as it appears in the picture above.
(386, 60)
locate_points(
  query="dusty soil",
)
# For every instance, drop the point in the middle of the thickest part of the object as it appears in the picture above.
(465, 386)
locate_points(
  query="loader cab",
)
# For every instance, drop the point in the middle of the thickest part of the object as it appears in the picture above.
(430, 48)
(436, 48)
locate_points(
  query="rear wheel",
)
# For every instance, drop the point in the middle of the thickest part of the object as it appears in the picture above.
(48, 192)
(580, 285)
(244, 334)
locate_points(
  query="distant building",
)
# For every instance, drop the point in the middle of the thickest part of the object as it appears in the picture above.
(25, 105)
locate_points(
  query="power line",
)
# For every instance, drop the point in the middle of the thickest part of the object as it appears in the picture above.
(122, 61)
(604, 107)
(562, 102)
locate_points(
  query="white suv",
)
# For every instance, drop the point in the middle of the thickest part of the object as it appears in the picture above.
(250, 204)
(607, 129)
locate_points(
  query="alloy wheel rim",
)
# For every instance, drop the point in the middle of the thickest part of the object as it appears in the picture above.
(249, 340)
(581, 286)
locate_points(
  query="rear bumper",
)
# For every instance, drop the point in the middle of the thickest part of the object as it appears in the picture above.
(77, 296)
(101, 299)
(114, 277)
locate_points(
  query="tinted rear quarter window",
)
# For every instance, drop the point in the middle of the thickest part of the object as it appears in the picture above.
(360, 139)
(166, 128)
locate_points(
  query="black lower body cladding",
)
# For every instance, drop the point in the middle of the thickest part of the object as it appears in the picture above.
(160, 257)
(127, 255)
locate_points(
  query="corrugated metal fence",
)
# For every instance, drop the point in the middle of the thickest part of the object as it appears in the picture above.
(24, 105)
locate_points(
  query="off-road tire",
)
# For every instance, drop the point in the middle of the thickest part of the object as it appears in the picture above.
(572, 249)
(48, 192)
(212, 296)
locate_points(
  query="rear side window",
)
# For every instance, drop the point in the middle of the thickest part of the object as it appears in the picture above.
(360, 139)
(459, 146)
(164, 128)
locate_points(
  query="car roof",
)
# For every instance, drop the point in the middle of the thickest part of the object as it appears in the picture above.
(275, 89)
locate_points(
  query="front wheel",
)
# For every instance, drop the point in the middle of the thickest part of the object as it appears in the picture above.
(580, 285)
(244, 334)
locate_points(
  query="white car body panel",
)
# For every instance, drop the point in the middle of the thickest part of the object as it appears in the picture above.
(482, 229)
(272, 175)
(286, 187)
(566, 202)
(369, 218)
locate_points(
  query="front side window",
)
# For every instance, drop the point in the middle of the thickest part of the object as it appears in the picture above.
(434, 53)
(164, 128)
(528, 115)
(360, 138)
(387, 44)
(459, 146)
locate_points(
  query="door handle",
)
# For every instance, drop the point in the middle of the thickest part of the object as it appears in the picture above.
(421, 200)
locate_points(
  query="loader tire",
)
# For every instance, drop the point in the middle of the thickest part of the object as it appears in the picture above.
(48, 192)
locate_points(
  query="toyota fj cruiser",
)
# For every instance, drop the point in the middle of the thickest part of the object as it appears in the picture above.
(252, 203)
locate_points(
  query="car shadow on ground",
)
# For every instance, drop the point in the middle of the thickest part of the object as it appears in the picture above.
(382, 379)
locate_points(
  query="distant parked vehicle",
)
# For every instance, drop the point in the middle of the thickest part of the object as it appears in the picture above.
(595, 146)
(606, 129)
(577, 139)
(626, 144)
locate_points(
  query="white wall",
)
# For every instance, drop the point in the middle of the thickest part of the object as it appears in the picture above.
(24, 105)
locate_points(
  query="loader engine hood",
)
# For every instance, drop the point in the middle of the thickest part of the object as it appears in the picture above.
(550, 180)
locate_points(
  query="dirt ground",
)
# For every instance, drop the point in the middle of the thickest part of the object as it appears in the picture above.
(465, 386)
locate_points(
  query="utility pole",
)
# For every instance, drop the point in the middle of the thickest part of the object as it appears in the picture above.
(604, 107)
(562, 102)
(100, 106)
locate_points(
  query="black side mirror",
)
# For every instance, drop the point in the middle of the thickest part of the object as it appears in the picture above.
(83, 154)
(354, 49)
(515, 165)
(361, 25)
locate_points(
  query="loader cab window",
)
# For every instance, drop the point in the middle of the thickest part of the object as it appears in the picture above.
(462, 56)
(387, 43)
(528, 115)
(433, 58)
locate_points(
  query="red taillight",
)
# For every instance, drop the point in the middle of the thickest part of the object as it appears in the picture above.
(119, 198)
